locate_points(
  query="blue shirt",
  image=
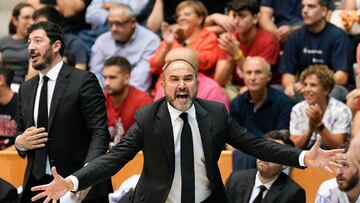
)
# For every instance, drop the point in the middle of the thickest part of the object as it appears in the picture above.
(331, 47)
(273, 114)
(138, 51)
(288, 12)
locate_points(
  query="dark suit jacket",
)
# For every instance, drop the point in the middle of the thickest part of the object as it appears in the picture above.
(239, 186)
(152, 133)
(77, 126)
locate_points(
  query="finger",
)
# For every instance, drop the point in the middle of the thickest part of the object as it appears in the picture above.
(54, 172)
(328, 169)
(38, 196)
(37, 146)
(30, 129)
(318, 140)
(40, 187)
(39, 136)
(47, 200)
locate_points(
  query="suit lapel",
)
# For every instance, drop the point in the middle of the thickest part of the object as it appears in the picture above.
(204, 128)
(165, 125)
(32, 95)
(62, 82)
(249, 184)
(275, 189)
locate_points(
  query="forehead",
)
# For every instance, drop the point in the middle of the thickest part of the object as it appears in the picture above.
(312, 78)
(254, 64)
(112, 69)
(311, 2)
(118, 14)
(179, 68)
(38, 33)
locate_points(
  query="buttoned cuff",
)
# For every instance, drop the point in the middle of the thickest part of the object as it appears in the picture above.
(302, 158)
(75, 182)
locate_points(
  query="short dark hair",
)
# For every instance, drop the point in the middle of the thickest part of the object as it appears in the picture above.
(53, 31)
(324, 3)
(50, 13)
(119, 61)
(241, 5)
(8, 74)
(278, 135)
(15, 14)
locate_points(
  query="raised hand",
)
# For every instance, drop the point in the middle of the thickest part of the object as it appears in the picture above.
(32, 138)
(319, 158)
(54, 190)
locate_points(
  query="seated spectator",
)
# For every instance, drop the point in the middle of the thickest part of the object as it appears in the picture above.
(8, 109)
(344, 187)
(163, 11)
(282, 17)
(260, 109)
(319, 113)
(188, 32)
(74, 52)
(247, 40)
(317, 42)
(121, 99)
(352, 99)
(128, 39)
(72, 12)
(267, 184)
(13, 48)
(207, 87)
(356, 122)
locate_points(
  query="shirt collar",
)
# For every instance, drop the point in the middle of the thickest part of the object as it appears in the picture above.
(53, 72)
(267, 185)
(174, 113)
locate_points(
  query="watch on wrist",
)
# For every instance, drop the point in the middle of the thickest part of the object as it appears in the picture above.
(184, 44)
(319, 128)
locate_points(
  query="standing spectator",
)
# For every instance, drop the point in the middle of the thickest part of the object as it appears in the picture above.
(319, 113)
(344, 188)
(8, 109)
(128, 39)
(122, 99)
(13, 48)
(317, 42)
(260, 109)
(245, 186)
(61, 115)
(247, 40)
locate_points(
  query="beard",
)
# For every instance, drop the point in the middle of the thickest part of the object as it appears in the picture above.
(350, 184)
(48, 57)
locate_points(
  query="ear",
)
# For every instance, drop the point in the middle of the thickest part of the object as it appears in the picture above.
(127, 78)
(2, 80)
(324, 11)
(255, 19)
(15, 21)
(269, 76)
(57, 46)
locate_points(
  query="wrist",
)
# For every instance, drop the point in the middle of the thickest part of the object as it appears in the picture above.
(320, 127)
(69, 184)
(238, 55)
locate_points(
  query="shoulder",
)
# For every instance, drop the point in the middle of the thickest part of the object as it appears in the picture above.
(338, 106)
(290, 183)
(334, 30)
(104, 37)
(240, 99)
(240, 176)
(327, 187)
(141, 31)
(279, 96)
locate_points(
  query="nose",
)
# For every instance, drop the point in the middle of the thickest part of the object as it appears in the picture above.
(182, 85)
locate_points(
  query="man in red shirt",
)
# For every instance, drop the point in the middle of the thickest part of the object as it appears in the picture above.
(122, 99)
(247, 40)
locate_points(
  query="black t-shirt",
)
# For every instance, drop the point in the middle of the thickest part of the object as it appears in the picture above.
(8, 126)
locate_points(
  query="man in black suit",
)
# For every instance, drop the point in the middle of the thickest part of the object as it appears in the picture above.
(244, 186)
(62, 117)
(176, 168)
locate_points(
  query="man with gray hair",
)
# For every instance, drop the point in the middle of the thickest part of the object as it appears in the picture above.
(128, 39)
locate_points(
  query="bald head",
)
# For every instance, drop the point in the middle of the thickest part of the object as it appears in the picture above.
(258, 61)
(186, 54)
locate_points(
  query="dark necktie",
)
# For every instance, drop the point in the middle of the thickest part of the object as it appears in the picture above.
(259, 197)
(39, 164)
(187, 162)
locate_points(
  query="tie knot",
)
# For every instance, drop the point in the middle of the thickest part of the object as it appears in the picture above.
(45, 79)
(262, 188)
(184, 116)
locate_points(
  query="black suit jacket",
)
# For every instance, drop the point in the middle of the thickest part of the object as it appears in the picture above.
(77, 126)
(239, 186)
(152, 133)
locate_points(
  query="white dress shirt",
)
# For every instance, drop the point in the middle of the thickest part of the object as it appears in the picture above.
(256, 187)
(52, 75)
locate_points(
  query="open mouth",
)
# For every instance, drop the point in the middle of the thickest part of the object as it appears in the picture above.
(34, 56)
(182, 96)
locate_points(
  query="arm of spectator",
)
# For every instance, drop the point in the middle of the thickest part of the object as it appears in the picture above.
(356, 125)
(291, 87)
(223, 71)
(97, 60)
(341, 77)
(301, 141)
(69, 8)
(156, 16)
(96, 13)
(231, 46)
(352, 100)
(219, 21)
(265, 20)
(349, 5)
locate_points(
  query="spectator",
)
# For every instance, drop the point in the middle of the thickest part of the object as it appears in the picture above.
(247, 40)
(282, 17)
(319, 113)
(189, 31)
(356, 121)
(245, 186)
(121, 99)
(317, 42)
(207, 88)
(13, 48)
(74, 52)
(8, 109)
(344, 187)
(128, 39)
(260, 109)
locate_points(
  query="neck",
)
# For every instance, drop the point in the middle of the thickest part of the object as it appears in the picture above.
(352, 195)
(18, 36)
(323, 103)
(120, 98)
(258, 97)
(5, 95)
(194, 34)
(265, 180)
(247, 37)
(54, 61)
(317, 27)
